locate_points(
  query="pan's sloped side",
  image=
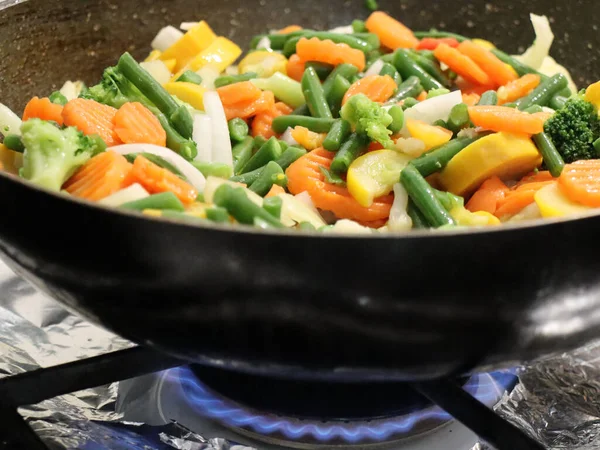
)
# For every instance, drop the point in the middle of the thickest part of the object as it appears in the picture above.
(404, 307)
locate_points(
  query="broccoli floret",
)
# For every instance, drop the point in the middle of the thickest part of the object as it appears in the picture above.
(574, 128)
(53, 154)
(367, 117)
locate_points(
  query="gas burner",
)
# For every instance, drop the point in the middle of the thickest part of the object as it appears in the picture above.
(260, 410)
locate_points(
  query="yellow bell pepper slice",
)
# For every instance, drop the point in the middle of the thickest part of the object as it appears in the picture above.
(196, 40)
(466, 218)
(431, 135)
(153, 56)
(553, 203)
(485, 44)
(220, 54)
(374, 174)
(170, 64)
(503, 154)
(263, 63)
(152, 212)
(10, 160)
(190, 93)
(592, 94)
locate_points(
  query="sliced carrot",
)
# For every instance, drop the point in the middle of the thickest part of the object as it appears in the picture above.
(422, 96)
(471, 99)
(262, 122)
(515, 202)
(540, 176)
(289, 29)
(461, 64)
(377, 87)
(135, 124)
(43, 108)
(245, 104)
(432, 43)
(92, 117)
(518, 88)
(329, 52)
(502, 118)
(391, 33)
(155, 179)
(305, 175)
(295, 67)
(275, 190)
(580, 181)
(498, 72)
(239, 93)
(467, 87)
(100, 177)
(486, 198)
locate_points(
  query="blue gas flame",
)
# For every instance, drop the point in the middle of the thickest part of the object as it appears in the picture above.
(487, 388)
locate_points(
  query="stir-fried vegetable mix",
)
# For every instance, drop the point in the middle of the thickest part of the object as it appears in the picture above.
(365, 128)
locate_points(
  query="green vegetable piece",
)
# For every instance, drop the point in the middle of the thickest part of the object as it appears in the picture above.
(190, 76)
(244, 210)
(544, 92)
(397, 114)
(344, 70)
(164, 200)
(418, 219)
(558, 102)
(409, 103)
(552, 158)
(441, 123)
(280, 179)
(52, 155)
(217, 214)
(448, 200)
(301, 110)
(437, 92)
(458, 118)
(184, 147)
(488, 98)
(13, 142)
(332, 177)
(371, 5)
(57, 98)
(411, 87)
(200, 197)
(314, 95)
(270, 151)
(273, 206)
(283, 87)
(520, 68)
(370, 38)
(368, 117)
(226, 80)
(242, 152)
(336, 95)
(318, 125)
(439, 34)
(259, 141)
(408, 67)
(424, 197)
(182, 119)
(264, 182)
(213, 169)
(389, 69)
(339, 133)
(359, 26)
(249, 177)
(348, 152)
(238, 129)
(436, 159)
(533, 109)
(306, 226)
(596, 145)
(289, 156)
(432, 67)
(322, 69)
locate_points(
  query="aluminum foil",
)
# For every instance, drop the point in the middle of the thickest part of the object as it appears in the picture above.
(557, 401)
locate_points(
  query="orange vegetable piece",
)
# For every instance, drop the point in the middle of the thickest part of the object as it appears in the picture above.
(422, 96)
(262, 125)
(432, 43)
(461, 64)
(92, 117)
(295, 67)
(289, 29)
(471, 99)
(377, 87)
(244, 100)
(536, 177)
(43, 108)
(502, 118)
(486, 198)
(308, 139)
(518, 88)
(580, 181)
(155, 179)
(392, 33)
(329, 52)
(498, 72)
(134, 123)
(275, 190)
(304, 175)
(466, 87)
(101, 176)
(522, 194)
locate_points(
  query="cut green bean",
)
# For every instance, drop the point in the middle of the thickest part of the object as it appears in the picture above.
(164, 200)
(336, 94)
(273, 206)
(332, 177)
(437, 158)
(283, 87)
(437, 92)
(238, 129)
(213, 169)
(408, 67)
(424, 197)
(552, 158)
(247, 178)
(397, 114)
(411, 87)
(242, 152)
(370, 38)
(259, 141)
(226, 80)
(371, 5)
(217, 214)
(57, 98)
(189, 76)
(359, 26)
(185, 147)
(596, 145)
(306, 226)
(348, 152)
(488, 98)
(439, 34)
(432, 68)
(318, 125)
(13, 142)
(270, 151)
(314, 95)
(418, 219)
(181, 119)
(558, 102)
(339, 133)
(458, 118)
(441, 123)
(345, 70)
(289, 156)
(264, 182)
(409, 103)
(244, 210)
(301, 110)
(520, 68)
(323, 70)
(544, 92)
(533, 109)
(280, 179)
(389, 69)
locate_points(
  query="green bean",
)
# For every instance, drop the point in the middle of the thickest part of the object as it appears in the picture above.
(437, 92)
(542, 94)
(370, 38)
(458, 118)
(242, 152)
(247, 178)
(176, 142)
(200, 197)
(488, 98)
(181, 119)
(520, 68)
(389, 69)
(397, 114)
(437, 158)
(259, 141)
(596, 145)
(323, 70)
(284, 145)
(348, 152)
(441, 123)
(290, 46)
(533, 109)
(411, 87)
(373, 56)
(244, 210)
(424, 197)
(213, 169)
(306, 226)
(189, 76)
(409, 103)
(226, 80)
(270, 151)
(566, 92)
(339, 133)
(336, 94)
(558, 102)
(238, 129)
(13, 142)
(432, 68)
(388, 58)
(314, 95)
(345, 70)
(164, 200)
(277, 40)
(359, 26)
(217, 214)
(289, 156)
(273, 206)
(407, 68)
(301, 110)
(332, 177)
(552, 158)
(371, 5)
(264, 182)
(318, 125)
(57, 98)
(439, 34)
(418, 219)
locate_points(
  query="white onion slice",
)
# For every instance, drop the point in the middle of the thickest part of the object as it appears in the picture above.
(221, 145)
(375, 68)
(9, 121)
(347, 29)
(209, 74)
(399, 218)
(129, 194)
(193, 175)
(158, 70)
(202, 136)
(166, 37)
(288, 138)
(186, 26)
(264, 44)
(433, 109)
(295, 210)
(346, 226)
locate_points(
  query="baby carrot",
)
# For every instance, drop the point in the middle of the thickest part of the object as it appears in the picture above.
(502, 118)
(462, 65)
(391, 32)
(498, 72)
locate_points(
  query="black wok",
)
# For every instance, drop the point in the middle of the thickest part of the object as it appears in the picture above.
(397, 307)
